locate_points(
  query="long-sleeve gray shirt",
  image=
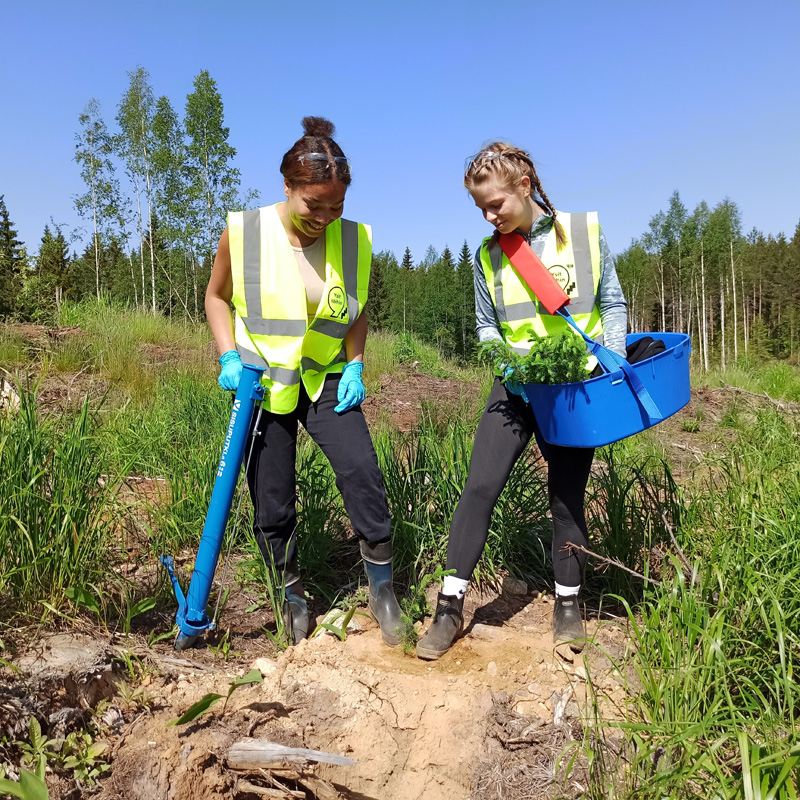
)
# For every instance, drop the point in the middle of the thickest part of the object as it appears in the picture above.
(611, 300)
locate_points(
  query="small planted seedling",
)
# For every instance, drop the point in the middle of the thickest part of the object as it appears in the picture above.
(223, 648)
(205, 702)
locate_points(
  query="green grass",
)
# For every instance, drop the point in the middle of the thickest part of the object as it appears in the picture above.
(13, 349)
(57, 517)
(778, 379)
(712, 700)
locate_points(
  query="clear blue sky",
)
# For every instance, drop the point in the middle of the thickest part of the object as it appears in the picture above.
(620, 103)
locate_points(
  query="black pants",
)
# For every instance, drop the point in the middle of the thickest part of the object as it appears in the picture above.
(503, 433)
(345, 441)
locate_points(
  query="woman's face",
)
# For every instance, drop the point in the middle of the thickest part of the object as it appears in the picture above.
(314, 206)
(506, 207)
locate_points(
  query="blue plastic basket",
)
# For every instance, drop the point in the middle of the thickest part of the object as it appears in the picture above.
(627, 399)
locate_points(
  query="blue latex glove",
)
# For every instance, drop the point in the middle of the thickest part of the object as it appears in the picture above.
(231, 372)
(513, 386)
(351, 387)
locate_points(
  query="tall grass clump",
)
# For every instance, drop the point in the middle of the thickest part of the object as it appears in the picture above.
(632, 505)
(425, 472)
(713, 696)
(13, 348)
(57, 515)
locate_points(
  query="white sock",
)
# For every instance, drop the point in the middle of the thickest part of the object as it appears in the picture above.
(454, 587)
(567, 591)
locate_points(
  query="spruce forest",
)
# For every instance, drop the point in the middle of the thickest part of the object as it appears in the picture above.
(156, 189)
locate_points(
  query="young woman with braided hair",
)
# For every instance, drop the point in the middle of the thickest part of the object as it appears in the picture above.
(505, 187)
(297, 275)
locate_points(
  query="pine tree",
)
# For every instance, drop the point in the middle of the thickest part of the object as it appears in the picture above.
(384, 265)
(465, 304)
(437, 314)
(11, 263)
(44, 289)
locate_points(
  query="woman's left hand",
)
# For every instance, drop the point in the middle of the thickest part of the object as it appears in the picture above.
(351, 387)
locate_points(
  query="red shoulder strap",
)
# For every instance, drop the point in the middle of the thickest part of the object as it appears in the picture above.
(532, 271)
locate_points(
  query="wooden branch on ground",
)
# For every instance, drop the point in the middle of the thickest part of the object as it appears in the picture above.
(612, 562)
(255, 751)
(782, 405)
(245, 787)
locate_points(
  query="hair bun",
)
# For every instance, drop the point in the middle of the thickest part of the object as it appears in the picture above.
(318, 126)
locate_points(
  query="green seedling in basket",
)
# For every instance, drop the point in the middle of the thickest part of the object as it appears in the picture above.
(561, 358)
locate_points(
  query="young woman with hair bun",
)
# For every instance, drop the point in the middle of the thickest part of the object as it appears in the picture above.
(297, 275)
(503, 183)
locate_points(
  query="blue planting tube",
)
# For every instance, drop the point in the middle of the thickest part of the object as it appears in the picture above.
(192, 618)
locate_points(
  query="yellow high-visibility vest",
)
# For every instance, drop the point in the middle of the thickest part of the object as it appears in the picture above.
(271, 326)
(577, 268)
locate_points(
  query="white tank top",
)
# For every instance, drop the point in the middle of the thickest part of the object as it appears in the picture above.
(311, 262)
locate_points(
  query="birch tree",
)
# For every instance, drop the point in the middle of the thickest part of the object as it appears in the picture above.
(135, 120)
(93, 149)
(213, 181)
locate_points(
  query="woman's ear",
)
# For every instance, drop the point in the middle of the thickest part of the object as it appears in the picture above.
(525, 185)
(286, 187)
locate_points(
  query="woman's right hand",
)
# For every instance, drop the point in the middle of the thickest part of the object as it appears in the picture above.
(231, 373)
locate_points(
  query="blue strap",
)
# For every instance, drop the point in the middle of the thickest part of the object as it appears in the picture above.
(614, 364)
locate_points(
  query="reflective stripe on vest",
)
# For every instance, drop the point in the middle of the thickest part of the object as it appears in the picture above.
(577, 268)
(271, 327)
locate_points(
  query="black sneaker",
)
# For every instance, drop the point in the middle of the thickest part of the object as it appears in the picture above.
(447, 625)
(568, 624)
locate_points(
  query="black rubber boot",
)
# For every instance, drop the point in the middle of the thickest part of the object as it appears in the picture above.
(568, 623)
(295, 617)
(448, 622)
(383, 605)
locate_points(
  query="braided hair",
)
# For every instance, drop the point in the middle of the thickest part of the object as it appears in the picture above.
(510, 164)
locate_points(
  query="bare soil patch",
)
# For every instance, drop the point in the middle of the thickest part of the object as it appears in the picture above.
(403, 395)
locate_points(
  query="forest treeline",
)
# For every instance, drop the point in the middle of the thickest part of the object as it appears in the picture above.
(157, 187)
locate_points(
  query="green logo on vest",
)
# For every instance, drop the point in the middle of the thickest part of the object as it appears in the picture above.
(337, 303)
(561, 274)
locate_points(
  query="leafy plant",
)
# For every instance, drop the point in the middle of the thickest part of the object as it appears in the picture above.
(84, 757)
(31, 786)
(208, 700)
(154, 637)
(36, 752)
(134, 697)
(223, 648)
(561, 358)
(82, 598)
(144, 605)
(339, 630)
(405, 348)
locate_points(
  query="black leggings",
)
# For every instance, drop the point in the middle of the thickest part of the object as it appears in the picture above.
(503, 433)
(345, 440)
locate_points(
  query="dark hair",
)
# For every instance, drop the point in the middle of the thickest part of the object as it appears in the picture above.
(511, 164)
(316, 141)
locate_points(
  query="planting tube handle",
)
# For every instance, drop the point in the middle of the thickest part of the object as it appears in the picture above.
(611, 363)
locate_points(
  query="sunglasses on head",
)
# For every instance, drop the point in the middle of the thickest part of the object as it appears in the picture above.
(324, 157)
